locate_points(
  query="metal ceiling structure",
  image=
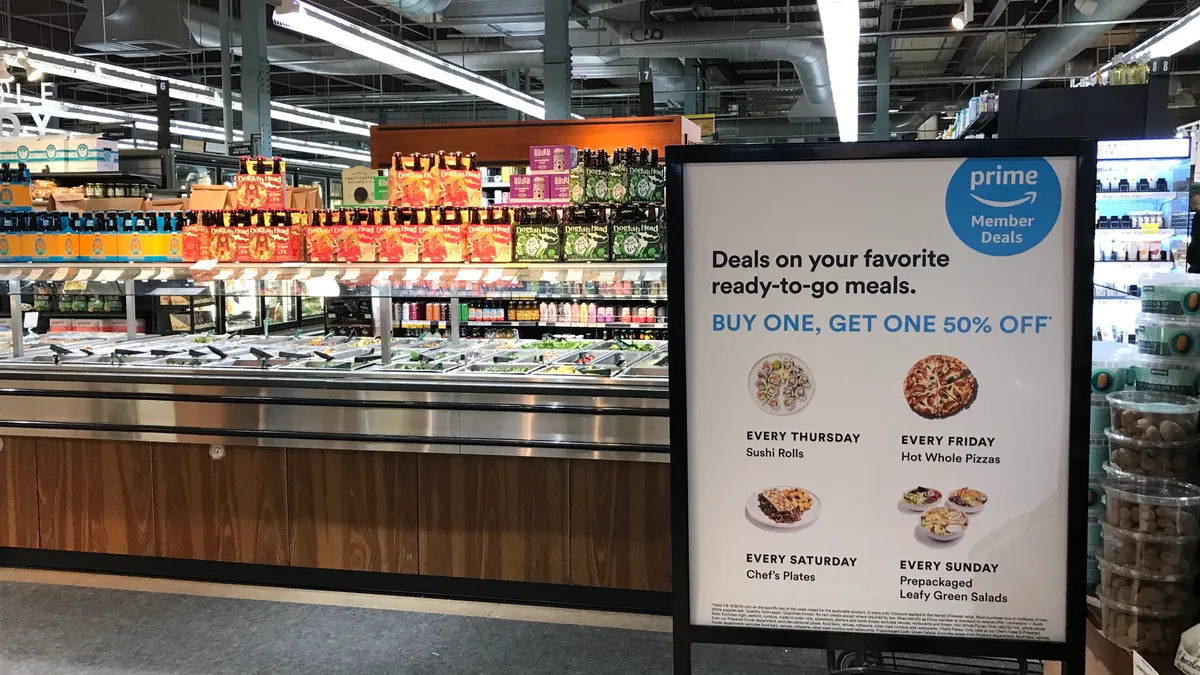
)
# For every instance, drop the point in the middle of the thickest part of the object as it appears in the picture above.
(759, 65)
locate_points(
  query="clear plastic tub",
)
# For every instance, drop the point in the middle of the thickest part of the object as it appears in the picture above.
(1110, 363)
(1099, 415)
(1146, 630)
(1170, 293)
(1142, 588)
(1158, 553)
(1166, 374)
(1166, 335)
(1155, 459)
(1153, 505)
(1154, 416)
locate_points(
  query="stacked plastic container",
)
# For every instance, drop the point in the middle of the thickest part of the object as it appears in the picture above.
(1150, 527)
(1110, 363)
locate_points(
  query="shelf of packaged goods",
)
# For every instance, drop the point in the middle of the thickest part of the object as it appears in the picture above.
(208, 270)
(985, 123)
(563, 324)
(1134, 231)
(420, 324)
(1136, 262)
(1153, 195)
(526, 295)
(76, 177)
(1122, 298)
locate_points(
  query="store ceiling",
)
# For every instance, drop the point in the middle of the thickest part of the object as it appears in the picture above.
(753, 85)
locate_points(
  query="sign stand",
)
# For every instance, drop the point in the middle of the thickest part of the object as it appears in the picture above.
(886, 347)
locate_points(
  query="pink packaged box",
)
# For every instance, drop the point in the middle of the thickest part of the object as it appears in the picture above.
(547, 189)
(551, 158)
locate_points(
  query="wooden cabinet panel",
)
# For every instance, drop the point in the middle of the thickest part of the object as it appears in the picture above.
(498, 143)
(621, 524)
(233, 509)
(18, 492)
(95, 496)
(353, 510)
(494, 517)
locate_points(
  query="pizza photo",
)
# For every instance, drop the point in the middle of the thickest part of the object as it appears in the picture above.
(940, 386)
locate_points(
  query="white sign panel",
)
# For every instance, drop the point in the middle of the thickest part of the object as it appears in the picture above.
(878, 369)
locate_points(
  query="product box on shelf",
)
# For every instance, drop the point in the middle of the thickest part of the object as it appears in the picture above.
(118, 326)
(260, 185)
(270, 237)
(589, 242)
(638, 239)
(548, 189)
(552, 158)
(61, 153)
(647, 179)
(92, 153)
(15, 196)
(460, 180)
(413, 181)
(537, 237)
(442, 239)
(491, 238)
(97, 242)
(62, 325)
(363, 186)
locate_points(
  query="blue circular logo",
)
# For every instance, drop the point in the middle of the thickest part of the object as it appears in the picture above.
(82, 150)
(22, 152)
(1003, 206)
(51, 151)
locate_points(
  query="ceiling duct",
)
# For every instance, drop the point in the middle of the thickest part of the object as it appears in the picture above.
(130, 25)
(1052, 48)
(739, 41)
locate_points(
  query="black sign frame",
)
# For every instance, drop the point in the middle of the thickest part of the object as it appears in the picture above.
(1071, 651)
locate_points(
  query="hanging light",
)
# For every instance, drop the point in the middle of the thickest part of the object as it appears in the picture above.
(958, 21)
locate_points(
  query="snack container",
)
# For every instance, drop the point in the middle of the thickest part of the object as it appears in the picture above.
(1096, 492)
(1093, 551)
(1097, 454)
(1110, 365)
(1157, 553)
(1166, 374)
(1154, 416)
(1167, 335)
(1155, 459)
(1146, 630)
(1187, 658)
(1152, 505)
(1142, 588)
(1177, 294)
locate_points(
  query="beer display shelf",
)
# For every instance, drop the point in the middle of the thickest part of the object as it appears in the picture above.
(79, 177)
(564, 324)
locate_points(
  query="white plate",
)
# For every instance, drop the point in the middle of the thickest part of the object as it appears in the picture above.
(944, 537)
(752, 385)
(810, 516)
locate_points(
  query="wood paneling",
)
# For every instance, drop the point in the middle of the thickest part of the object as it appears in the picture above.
(508, 142)
(18, 492)
(95, 496)
(353, 510)
(494, 517)
(233, 509)
(621, 524)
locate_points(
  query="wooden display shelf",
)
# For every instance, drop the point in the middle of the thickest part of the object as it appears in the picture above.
(507, 143)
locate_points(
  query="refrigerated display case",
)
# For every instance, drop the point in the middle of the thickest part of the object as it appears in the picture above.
(1143, 224)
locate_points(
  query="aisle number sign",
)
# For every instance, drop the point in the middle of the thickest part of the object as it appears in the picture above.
(875, 418)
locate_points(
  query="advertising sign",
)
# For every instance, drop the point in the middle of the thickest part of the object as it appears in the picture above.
(885, 348)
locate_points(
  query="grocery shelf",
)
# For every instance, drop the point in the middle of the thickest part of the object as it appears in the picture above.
(94, 177)
(562, 324)
(526, 295)
(1142, 196)
(208, 270)
(1136, 262)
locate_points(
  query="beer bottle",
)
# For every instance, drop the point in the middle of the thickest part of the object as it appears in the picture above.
(242, 168)
(644, 157)
(472, 161)
(441, 159)
(275, 167)
(654, 157)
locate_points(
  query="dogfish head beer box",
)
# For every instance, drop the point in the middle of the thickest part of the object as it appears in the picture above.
(261, 183)
(874, 423)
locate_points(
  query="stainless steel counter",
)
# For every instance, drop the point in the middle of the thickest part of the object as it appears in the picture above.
(619, 418)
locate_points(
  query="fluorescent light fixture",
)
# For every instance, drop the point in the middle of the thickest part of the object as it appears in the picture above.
(1172, 39)
(79, 68)
(309, 20)
(180, 127)
(839, 19)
